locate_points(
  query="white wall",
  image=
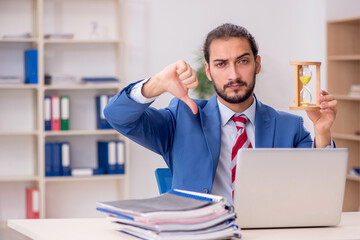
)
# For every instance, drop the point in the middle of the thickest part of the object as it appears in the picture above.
(336, 9)
(162, 31)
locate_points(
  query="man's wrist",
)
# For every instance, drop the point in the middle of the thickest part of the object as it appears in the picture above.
(136, 93)
(323, 140)
(151, 88)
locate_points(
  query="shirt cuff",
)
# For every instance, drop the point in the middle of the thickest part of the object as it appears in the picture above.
(137, 95)
(332, 145)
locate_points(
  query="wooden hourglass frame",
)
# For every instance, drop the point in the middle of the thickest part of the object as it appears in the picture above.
(299, 85)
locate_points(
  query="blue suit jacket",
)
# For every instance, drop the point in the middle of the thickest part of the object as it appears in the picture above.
(190, 144)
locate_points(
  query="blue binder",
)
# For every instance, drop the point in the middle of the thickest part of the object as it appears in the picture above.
(107, 156)
(65, 159)
(56, 163)
(98, 171)
(101, 102)
(31, 66)
(47, 113)
(120, 157)
(48, 159)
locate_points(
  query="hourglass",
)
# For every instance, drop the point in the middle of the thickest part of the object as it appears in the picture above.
(303, 95)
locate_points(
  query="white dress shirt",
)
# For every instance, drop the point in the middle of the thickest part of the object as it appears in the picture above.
(222, 180)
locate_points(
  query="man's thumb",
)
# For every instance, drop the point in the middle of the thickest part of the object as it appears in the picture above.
(192, 105)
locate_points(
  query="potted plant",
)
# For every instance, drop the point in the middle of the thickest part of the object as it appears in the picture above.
(205, 88)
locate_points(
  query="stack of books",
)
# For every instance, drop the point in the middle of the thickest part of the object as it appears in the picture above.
(176, 214)
(10, 80)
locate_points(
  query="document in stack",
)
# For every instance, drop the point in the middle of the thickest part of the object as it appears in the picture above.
(177, 213)
(225, 230)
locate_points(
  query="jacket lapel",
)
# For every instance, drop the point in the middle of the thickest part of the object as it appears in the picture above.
(211, 125)
(264, 127)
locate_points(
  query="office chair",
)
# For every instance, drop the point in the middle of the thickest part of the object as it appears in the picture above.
(164, 179)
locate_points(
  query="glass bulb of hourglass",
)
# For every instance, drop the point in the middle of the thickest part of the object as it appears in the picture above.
(305, 77)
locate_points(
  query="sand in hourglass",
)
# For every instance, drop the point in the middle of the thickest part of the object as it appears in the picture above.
(305, 80)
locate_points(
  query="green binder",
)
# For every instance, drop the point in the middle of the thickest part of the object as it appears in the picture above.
(65, 112)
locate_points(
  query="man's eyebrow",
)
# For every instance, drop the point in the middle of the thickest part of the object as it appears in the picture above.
(243, 55)
(223, 60)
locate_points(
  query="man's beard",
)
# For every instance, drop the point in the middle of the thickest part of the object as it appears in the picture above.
(237, 98)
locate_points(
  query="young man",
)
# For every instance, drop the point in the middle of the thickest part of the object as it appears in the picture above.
(198, 138)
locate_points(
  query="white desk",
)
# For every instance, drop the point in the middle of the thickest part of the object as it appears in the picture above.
(101, 228)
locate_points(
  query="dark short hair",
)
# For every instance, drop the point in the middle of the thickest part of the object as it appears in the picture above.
(226, 31)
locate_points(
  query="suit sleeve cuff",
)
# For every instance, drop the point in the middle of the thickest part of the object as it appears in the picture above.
(136, 93)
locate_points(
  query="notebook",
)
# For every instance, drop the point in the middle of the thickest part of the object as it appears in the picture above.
(290, 187)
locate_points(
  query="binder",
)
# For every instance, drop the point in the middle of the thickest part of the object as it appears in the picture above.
(47, 113)
(101, 102)
(55, 113)
(31, 66)
(65, 112)
(120, 157)
(107, 156)
(48, 159)
(56, 159)
(65, 159)
(32, 203)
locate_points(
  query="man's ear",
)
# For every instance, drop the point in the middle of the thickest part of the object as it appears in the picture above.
(258, 64)
(207, 70)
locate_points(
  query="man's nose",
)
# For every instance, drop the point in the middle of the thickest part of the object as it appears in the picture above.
(233, 73)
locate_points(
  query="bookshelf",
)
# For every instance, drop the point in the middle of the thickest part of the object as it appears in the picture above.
(343, 59)
(21, 108)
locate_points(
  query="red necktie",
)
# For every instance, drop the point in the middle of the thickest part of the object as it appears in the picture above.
(242, 141)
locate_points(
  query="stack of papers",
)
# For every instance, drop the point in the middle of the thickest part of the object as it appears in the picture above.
(59, 36)
(176, 214)
(100, 80)
(11, 80)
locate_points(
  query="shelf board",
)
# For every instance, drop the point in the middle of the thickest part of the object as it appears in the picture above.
(355, 20)
(18, 178)
(346, 97)
(81, 132)
(85, 178)
(81, 41)
(350, 57)
(353, 178)
(83, 86)
(18, 133)
(19, 86)
(345, 136)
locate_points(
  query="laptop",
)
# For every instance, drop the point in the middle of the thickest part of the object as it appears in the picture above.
(281, 187)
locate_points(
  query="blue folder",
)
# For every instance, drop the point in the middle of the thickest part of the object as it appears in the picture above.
(101, 102)
(107, 157)
(48, 159)
(47, 113)
(120, 157)
(56, 160)
(65, 169)
(31, 66)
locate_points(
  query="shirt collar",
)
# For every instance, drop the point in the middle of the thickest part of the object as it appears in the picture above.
(226, 113)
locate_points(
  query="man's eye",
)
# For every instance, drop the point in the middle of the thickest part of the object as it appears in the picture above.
(243, 61)
(219, 64)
